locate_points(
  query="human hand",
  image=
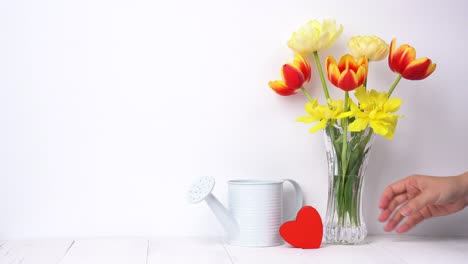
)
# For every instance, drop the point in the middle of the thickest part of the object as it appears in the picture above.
(420, 197)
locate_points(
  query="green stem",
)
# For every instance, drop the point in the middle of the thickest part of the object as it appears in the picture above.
(344, 160)
(365, 81)
(322, 77)
(344, 151)
(307, 94)
(395, 83)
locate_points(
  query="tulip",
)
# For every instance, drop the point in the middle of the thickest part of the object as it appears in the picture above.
(403, 61)
(315, 36)
(348, 74)
(373, 47)
(294, 75)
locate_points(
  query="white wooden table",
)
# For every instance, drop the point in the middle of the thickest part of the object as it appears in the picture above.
(378, 249)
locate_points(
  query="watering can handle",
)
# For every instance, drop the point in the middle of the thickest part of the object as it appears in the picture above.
(299, 199)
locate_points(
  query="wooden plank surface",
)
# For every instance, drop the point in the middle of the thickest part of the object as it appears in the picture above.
(412, 249)
(380, 249)
(112, 251)
(365, 253)
(33, 251)
(187, 250)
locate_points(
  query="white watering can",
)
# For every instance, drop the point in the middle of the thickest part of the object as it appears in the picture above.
(255, 211)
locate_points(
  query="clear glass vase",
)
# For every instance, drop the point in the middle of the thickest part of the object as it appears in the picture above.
(347, 155)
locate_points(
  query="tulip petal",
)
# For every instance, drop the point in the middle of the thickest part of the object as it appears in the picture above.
(292, 76)
(419, 69)
(303, 65)
(361, 75)
(281, 88)
(329, 61)
(347, 81)
(333, 74)
(403, 56)
(363, 62)
(390, 55)
(347, 62)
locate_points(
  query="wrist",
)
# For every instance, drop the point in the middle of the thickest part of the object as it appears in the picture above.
(463, 183)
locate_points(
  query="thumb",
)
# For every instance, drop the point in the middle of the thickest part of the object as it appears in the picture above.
(417, 203)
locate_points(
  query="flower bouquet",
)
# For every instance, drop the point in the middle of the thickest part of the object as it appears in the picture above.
(349, 125)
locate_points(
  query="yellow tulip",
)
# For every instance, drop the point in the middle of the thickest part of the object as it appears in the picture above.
(315, 36)
(373, 47)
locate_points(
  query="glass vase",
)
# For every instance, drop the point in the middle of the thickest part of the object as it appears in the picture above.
(347, 155)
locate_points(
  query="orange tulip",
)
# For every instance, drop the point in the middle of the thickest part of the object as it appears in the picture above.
(348, 74)
(403, 61)
(294, 75)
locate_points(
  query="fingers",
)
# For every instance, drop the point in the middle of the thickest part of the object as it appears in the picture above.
(391, 191)
(417, 203)
(394, 203)
(412, 210)
(394, 221)
(410, 223)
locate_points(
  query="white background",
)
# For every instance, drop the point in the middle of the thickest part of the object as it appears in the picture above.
(110, 109)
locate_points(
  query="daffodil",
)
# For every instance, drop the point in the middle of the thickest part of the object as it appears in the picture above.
(375, 110)
(373, 47)
(322, 114)
(315, 36)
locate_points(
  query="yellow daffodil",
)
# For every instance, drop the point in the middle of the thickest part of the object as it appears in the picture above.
(323, 114)
(373, 47)
(376, 110)
(315, 36)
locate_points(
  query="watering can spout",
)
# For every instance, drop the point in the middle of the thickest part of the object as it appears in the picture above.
(201, 190)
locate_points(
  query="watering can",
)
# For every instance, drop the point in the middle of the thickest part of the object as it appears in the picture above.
(255, 209)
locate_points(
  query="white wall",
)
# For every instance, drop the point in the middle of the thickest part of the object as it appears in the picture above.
(109, 109)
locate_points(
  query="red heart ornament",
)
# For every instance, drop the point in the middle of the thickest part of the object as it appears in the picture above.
(306, 231)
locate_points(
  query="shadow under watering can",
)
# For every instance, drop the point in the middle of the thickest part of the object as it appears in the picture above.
(255, 209)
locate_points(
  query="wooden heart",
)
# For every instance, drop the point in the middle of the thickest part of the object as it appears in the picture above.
(306, 231)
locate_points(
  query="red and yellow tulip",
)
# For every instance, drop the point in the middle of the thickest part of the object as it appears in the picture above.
(403, 61)
(294, 75)
(348, 74)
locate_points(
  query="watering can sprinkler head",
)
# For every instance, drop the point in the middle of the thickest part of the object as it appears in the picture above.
(201, 190)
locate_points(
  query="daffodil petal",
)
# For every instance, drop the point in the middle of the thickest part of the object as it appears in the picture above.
(307, 119)
(392, 105)
(358, 125)
(379, 127)
(321, 125)
(344, 114)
